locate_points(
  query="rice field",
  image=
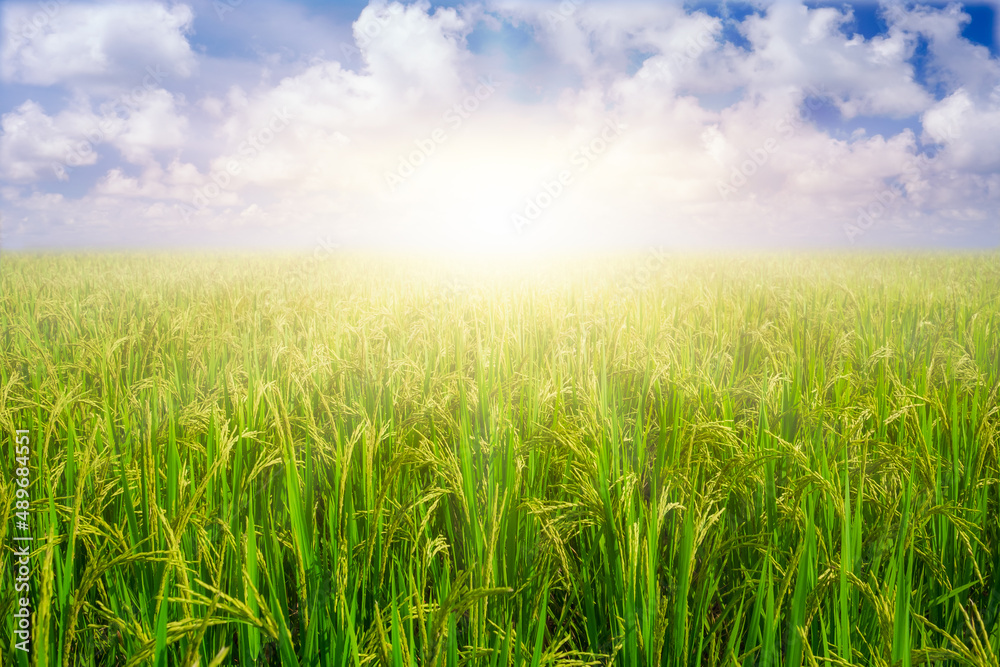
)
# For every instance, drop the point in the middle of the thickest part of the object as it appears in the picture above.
(768, 460)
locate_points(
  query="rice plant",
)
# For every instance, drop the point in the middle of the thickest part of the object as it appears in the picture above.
(772, 460)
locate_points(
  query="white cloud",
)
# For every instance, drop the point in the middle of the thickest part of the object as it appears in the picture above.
(410, 50)
(598, 39)
(955, 62)
(968, 130)
(155, 124)
(173, 183)
(793, 45)
(110, 43)
(34, 145)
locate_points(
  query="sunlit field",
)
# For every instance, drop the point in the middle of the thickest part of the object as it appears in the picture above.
(774, 460)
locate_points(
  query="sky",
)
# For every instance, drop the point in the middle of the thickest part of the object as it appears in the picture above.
(498, 126)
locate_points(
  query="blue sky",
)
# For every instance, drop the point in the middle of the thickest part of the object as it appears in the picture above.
(499, 125)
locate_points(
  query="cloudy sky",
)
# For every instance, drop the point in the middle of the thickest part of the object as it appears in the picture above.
(502, 124)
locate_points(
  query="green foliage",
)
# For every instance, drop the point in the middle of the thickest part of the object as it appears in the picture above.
(769, 460)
